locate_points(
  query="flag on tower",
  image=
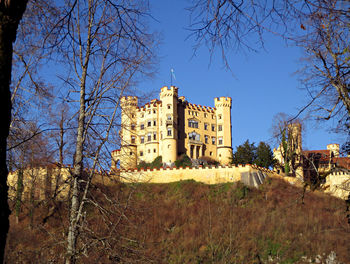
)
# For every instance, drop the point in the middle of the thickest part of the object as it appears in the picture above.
(173, 74)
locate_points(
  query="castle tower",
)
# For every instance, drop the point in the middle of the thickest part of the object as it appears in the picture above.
(333, 149)
(223, 128)
(128, 150)
(168, 118)
(294, 133)
(295, 143)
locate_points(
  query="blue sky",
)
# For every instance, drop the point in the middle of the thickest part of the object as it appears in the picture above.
(263, 84)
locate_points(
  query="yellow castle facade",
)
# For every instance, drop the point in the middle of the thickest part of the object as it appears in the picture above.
(171, 126)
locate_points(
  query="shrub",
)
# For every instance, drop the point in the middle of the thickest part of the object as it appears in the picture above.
(183, 161)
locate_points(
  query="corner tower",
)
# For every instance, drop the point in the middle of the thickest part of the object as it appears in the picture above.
(128, 136)
(168, 127)
(223, 128)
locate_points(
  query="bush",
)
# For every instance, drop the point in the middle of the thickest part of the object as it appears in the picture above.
(183, 161)
(156, 163)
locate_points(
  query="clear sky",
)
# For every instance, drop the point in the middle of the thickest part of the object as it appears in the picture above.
(263, 84)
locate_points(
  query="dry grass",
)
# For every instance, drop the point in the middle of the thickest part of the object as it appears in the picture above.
(189, 222)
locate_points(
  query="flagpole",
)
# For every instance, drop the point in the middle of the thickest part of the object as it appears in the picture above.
(171, 78)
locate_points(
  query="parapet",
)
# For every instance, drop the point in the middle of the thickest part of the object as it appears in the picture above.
(153, 103)
(200, 108)
(223, 101)
(116, 152)
(171, 89)
(128, 101)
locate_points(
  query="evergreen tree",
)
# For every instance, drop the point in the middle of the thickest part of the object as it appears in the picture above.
(248, 153)
(264, 156)
(245, 154)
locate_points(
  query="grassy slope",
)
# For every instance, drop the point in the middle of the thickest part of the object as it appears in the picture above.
(189, 222)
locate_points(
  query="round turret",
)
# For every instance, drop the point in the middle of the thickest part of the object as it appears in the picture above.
(223, 127)
(169, 129)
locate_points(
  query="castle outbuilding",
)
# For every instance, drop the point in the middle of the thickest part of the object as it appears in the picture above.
(170, 127)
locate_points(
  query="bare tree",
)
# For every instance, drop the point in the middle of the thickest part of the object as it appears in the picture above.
(102, 47)
(320, 27)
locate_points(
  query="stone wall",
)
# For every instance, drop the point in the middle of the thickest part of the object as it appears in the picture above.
(250, 174)
(338, 184)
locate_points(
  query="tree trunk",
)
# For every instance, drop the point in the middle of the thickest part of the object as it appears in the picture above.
(10, 14)
(78, 169)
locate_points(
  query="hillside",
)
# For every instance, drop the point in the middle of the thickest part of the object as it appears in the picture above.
(190, 222)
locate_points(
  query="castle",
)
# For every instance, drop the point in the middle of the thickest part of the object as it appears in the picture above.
(172, 126)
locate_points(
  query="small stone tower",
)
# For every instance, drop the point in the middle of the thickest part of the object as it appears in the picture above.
(294, 133)
(128, 136)
(295, 143)
(223, 128)
(168, 117)
(333, 149)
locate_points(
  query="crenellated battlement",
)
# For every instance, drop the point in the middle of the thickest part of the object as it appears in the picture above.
(248, 174)
(222, 101)
(152, 103)
(200, 108)
(169, 91)
(200, 167)
(128, 101)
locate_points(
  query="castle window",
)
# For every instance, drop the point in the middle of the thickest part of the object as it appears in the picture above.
(142, 126)
(149, 151)
(149, 137)
(154, 122)
(133, 140)
(132, 126)
(194, 136)
(213, 140)
(212, 127)
(142, 115)
(141, 153)
(189, 112)
(169, 106)
(168, 117)
(130, 153)
(154, 111)
(213, 116)
(205, 115)
(206, 139)
(220, 141)
(192, 123)
(149, 123)
(142, 139)
(220, 128)
(169, 132)
(206, 126)
(149, 112)
(154, 136)
(210, 153)
(154, 150)
(219, 116)
(132, 115)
